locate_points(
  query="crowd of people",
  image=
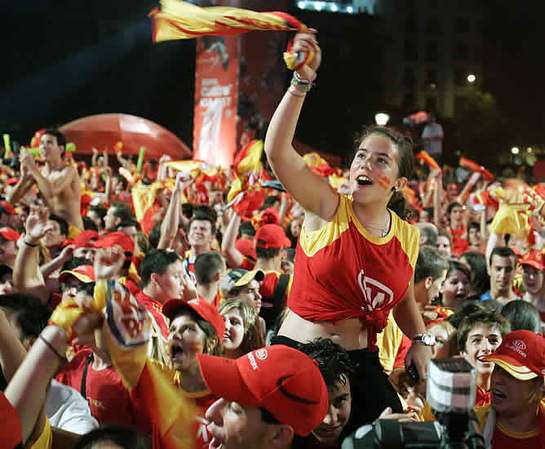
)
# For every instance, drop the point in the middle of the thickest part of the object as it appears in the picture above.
(145, 309)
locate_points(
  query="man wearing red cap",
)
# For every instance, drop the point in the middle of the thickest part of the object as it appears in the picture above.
(8, 249)
(533, 279)
(266, 398)
(515, 418)
(58, 183)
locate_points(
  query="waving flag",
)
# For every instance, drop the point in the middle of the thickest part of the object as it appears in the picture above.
(425, 158)
(474, 167)
(183, 20)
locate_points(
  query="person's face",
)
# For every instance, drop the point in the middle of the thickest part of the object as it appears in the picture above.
(374, 169)
(452, 190)
(110, 220)
(250, 294)
(49, 147)
(443, 246)
(502, 272)
(424, 217)
(185, 340)
(456, 214)
(456, 288)
(295, 227)
(8, 250)
(86, 253)
(474, 237)
(170, 283)
(132, 232)
(510, 396)
(96, 219)
(532, 279)
(200, 233)
(234, 330)
(482, 340)
(72, 288)
(340, 404)
(53, 236)
(236, 426)
(441, 347)
(436, 285)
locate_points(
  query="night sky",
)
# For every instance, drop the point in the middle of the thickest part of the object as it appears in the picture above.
(67, 59)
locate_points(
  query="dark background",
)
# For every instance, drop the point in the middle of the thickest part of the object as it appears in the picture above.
(67, 59)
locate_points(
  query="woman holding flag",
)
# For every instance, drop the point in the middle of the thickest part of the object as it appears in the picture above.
(344, 286)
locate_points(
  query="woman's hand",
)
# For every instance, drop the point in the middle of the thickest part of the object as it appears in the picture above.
(418, 356)
(306, 42)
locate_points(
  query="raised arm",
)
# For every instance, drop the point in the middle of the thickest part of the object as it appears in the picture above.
(233, 256)
(171, 222)
(26, 271)
(309, 189)
(24, 184)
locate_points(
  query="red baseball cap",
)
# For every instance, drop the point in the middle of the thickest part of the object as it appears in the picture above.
(9, 234)
(83, 273)
(202, 307)
(116, 238)
(7, 207)
(271, 236)
(11, 422)
(86, 239)
(282, 380)
(246, 248)
(521, 354)
(535, 259)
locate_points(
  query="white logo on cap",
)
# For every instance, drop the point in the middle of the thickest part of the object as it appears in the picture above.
(261, 354)
(518, 346)
(194, 301)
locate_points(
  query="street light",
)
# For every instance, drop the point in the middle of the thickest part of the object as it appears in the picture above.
(381, 118)
(515, 150)
(471, 78)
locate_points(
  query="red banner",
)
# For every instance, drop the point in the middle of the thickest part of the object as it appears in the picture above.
(216, 97)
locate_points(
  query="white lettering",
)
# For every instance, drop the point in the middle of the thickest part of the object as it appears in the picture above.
(252, 361)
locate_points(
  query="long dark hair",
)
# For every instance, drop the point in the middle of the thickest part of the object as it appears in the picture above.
(405, 164)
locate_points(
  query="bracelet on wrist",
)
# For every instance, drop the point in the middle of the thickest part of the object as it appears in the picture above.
(32, 245)
(52, 349)
(301, 84)
(296, 92)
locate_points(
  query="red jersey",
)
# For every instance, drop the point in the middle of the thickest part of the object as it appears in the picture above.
(108, 399)
(342, 271)
(154, 307)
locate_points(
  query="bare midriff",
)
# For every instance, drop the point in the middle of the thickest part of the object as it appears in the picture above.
(351, 334)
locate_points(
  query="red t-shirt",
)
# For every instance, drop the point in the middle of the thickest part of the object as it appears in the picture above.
(108, 399)
(342, 271)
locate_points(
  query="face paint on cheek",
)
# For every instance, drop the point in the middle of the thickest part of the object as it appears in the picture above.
(196, 347)
(383, 181)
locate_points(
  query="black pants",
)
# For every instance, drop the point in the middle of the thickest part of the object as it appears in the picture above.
(371, 390)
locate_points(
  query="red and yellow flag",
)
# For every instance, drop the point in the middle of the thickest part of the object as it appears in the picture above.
(425, 158)
(182, 20)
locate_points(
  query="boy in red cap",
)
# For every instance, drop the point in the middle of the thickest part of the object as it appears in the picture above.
(266, 397)
(270, 245)
(515, 418)
(533, 279)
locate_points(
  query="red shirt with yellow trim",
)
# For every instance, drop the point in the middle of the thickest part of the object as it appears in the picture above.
(342, 271)
(503, 438)
(155, 308)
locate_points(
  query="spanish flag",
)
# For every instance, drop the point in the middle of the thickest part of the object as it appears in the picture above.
(425, 158)
(182, 20)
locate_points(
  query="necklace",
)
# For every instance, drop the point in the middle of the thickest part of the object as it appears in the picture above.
(382, 229)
